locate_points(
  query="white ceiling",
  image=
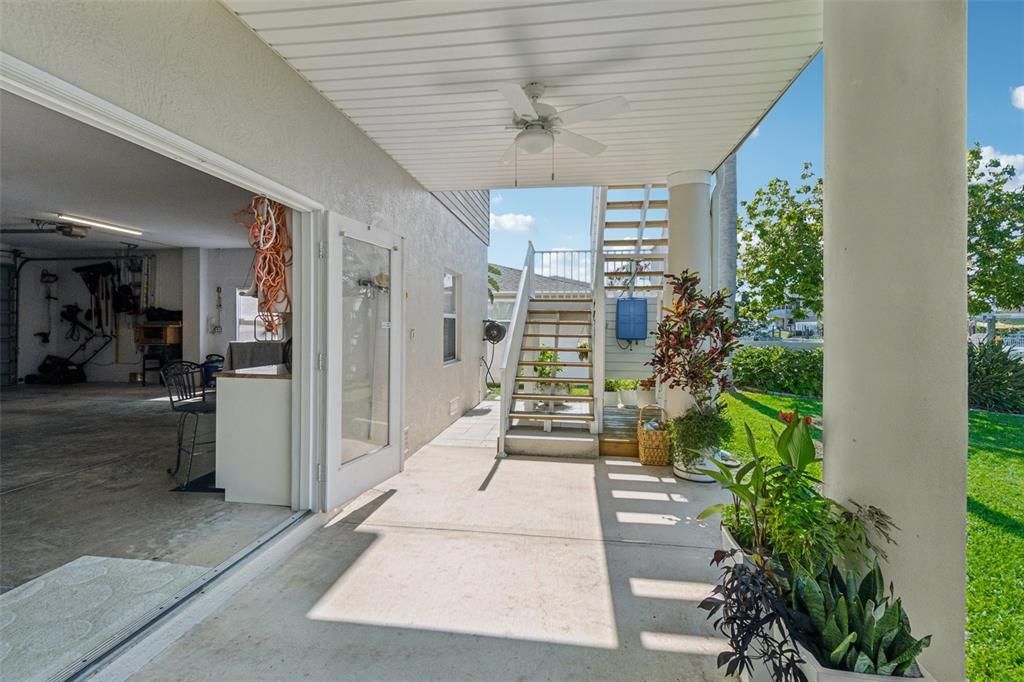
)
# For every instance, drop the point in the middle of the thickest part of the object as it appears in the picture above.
(50, 164)
(698, 74)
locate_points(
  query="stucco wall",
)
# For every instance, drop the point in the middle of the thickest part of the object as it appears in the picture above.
(194, 69)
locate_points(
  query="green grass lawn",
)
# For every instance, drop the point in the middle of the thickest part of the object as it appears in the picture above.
(995, 525)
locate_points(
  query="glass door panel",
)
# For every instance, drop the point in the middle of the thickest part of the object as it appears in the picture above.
(366, 348)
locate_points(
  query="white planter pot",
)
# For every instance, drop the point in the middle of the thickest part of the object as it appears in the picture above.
(692, 473)
(629, 398)
(816, 672)
(644, 397)
(611, 398)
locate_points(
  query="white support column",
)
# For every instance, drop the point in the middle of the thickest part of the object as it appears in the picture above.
(194, 303)
(725, 218)
(689, 245)
(895, 403)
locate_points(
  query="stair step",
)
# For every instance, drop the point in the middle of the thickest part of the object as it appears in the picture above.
(564, 323)
(640, 273)
(557, 349)
(558, 336)
(557, 363)
(622, 258)
(635, 224)
(582, 299)
(553, 416)
(639, 287)
(654, 185)
(639, 203)
(632, 242)
(553, 380)
(541, 397)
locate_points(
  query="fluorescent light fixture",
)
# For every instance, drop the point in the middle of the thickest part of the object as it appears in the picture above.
(96, 223)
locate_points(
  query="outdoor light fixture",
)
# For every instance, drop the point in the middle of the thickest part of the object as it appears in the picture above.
(534, 140)
(95, 223)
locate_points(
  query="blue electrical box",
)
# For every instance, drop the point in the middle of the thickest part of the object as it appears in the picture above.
(631, 319)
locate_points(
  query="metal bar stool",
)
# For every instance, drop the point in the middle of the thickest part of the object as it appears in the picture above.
(186, 387)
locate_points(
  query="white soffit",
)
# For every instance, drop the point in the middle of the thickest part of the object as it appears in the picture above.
(418, 77)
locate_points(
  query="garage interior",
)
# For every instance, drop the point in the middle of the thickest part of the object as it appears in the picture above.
(87, 431)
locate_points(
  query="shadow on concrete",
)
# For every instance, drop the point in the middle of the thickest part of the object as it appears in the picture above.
(586, 569)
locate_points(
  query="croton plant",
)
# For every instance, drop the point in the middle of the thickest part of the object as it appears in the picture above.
(694, 340)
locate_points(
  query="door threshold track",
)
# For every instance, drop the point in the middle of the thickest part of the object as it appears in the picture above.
(104, 652)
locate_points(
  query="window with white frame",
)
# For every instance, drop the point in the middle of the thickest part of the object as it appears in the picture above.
(246, 310)
(450, 319)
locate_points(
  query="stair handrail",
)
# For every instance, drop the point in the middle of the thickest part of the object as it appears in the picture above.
(513, 347)
(597, 331)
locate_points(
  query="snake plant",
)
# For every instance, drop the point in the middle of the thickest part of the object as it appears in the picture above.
(856, 627)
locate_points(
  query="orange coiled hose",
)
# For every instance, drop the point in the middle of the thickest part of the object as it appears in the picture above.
(267, 222)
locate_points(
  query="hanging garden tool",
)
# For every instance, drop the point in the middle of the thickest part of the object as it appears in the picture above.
(48, 279)
(267, 223)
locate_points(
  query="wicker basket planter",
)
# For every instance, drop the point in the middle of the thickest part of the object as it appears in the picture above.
(653, 445)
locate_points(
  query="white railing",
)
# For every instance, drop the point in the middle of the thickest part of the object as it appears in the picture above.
(597, 333)
(514, 344)
(563, 272)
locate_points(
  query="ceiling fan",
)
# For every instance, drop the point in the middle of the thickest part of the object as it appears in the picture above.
(541, 125)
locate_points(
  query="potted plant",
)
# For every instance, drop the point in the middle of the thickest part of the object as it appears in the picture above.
(778, 530)
(583, 350)
(845, 634)
(692, 346)
(694, 439)
(645, 391)
(627, 392)
(547, 371)
(611, 392)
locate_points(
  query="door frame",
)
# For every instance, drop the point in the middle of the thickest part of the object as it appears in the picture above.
(24, 80)
(374, 467)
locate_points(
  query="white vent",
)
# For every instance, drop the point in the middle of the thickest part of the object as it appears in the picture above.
(453, 407)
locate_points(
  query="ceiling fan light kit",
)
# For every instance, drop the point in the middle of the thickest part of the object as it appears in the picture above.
(540, 125)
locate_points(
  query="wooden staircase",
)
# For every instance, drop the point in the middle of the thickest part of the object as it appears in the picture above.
(635, 243)
(553, 401)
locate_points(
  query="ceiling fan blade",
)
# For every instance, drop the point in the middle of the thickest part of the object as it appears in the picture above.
(510, 154)
(517, 99)
(579, 143)
(594, 111)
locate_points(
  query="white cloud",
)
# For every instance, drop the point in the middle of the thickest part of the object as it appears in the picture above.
(1015, 160)
(1017, 96)
(496, 198)
(512, 222)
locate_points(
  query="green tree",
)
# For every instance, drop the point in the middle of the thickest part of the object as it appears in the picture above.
(781, 252)
(492, 284)
(995, 235)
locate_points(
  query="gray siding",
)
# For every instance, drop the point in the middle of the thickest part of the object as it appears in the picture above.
(473, 208)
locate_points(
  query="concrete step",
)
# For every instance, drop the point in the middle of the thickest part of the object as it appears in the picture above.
(653, 204)
(574, 444)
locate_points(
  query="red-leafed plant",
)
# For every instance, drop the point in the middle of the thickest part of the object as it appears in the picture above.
(694, 340)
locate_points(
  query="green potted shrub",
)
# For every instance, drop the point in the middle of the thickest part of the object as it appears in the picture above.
(627, 392)
(693, 342)
(694, 439)
(611, 392)
(583, 350)
(848, 629)
(547, 371)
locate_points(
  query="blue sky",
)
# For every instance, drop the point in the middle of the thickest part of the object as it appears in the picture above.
(559, 218)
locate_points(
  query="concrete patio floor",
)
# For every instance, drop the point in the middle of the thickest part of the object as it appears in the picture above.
(468, 567)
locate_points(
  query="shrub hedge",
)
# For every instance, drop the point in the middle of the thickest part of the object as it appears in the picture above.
(779, 370)
(995, 380)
